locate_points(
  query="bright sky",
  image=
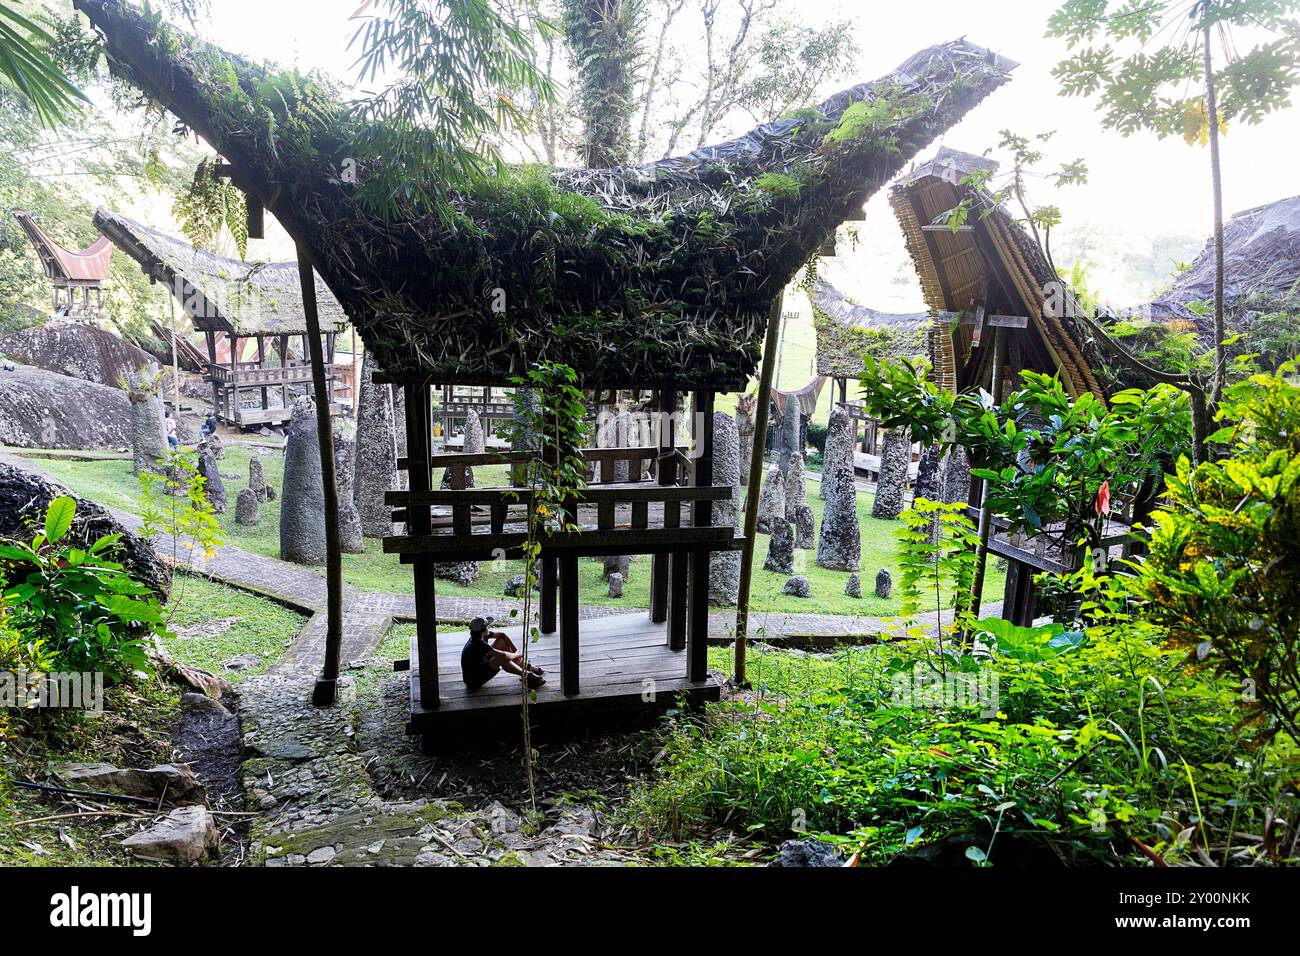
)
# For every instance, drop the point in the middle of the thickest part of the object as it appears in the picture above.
(1138, 184)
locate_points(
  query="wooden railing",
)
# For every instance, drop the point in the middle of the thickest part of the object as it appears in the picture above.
(256, 376)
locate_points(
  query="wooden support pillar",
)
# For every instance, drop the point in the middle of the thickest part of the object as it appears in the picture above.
(261, 364)
(419, 521)
(665, 475)
(550, 575)
(697, 613)
(753, 489)
(326, 684)
(985, 522)
(569, 649)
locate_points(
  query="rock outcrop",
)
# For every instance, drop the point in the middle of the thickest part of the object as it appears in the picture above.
(77, 350)
(40, 409)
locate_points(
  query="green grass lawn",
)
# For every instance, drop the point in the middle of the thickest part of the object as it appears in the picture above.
(212, 623)
(111, 483)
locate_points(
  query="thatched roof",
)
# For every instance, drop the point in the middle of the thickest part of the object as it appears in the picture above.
(218, 293)
(654, 275)
(847, 331)
(1261, 249)
(87, 266)
(994, 262)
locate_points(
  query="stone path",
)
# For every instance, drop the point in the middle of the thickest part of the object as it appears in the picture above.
(368, 615)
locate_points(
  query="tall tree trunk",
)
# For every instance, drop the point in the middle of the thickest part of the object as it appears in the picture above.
(1216, 175)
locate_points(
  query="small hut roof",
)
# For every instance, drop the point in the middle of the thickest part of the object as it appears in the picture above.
(1261, 249)
(656, 275)
(219, 293)
(959, 270)
(847, 331)
(87, 266)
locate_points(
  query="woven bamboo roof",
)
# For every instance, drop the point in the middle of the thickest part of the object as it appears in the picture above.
(1261, 249)
(655, 275)
(63, 266)
(219, 293)
(993, 263)
(847, 331)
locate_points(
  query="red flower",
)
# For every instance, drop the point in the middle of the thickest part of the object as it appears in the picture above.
(1102, 504)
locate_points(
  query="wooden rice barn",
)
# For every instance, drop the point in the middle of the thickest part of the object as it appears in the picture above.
(75, 275)
(248, 313)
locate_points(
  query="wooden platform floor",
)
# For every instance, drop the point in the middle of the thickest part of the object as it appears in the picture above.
(625, 665)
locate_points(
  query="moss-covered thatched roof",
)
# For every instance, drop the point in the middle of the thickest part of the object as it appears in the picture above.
(654, 275)
(1261, 249)
(847, 331)
(218, 293)
(990, 261)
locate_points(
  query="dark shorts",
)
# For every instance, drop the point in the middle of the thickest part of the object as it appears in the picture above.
(476, 666)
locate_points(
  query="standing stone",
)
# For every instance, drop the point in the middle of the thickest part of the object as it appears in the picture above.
(376, 455)
(351, 539)
(302, 507)
(148, 426)
(796, 489)
(771, 502)
(839, 545)
(780, 548)
(218, 446)
(399, 430)
(853, 586)
(884, 584)
(891, 483)
(929, 482)
(616, 585)
(956, 478)
(745, 407)
(257, 480)
(474, 443)
(805, 529)
(522, 436)
(213, 487)
(612, 564)
(786, 442)
(248, 509)
(724, 566)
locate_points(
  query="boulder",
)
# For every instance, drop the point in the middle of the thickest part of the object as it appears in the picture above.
(724, 566)
(201, 705)
(891, 483)
(780, 548)
(853, 586)
(807, 853)
(248, 510)
(186, 835)
(771, 501)
(76, 350)
(40, 409)
(376, 454)
(616, 585)
(302, 508)
(463, 573)
(171, 783)
(214, 488)
(839, 545)
(24, 496)
(351, 539)
(515, 586)
(797, 586)
(884, 583)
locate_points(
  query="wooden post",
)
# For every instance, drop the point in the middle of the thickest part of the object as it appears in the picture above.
(986, 516)
(665, 475)
(327, 683)
(755, 481)
(176, 367)
(697, 614)
(550, 577)
(419, 521)
(569, 647)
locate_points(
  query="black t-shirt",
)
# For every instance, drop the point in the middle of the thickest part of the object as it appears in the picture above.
(476, 661)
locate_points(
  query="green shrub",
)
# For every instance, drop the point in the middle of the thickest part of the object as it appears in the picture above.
(84, 609)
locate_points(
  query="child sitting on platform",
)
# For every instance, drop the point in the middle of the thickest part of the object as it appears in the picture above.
(487, 652)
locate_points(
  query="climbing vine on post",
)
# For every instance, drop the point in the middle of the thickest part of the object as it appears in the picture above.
(553, 477)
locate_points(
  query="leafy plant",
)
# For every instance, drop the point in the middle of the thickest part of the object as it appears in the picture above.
(84, 608)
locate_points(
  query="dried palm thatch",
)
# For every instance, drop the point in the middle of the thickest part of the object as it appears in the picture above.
(653, 275)
(221, 294)
(847, 331)
(1261, 248)
(990, 261)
